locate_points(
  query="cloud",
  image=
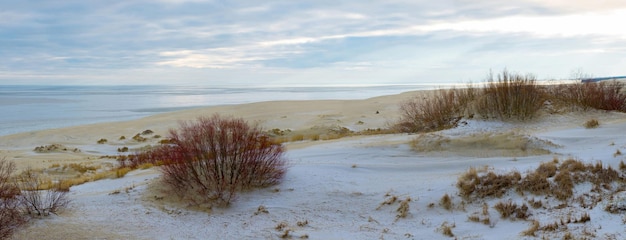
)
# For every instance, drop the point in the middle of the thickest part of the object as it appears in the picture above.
(280, 39)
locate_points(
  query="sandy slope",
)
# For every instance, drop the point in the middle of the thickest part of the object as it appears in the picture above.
(334, 189)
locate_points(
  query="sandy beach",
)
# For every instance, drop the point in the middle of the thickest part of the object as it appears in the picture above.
(334, 189)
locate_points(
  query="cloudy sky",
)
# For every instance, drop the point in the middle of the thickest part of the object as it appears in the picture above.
(290, 42)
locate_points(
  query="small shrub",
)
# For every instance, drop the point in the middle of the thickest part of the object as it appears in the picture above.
(37, 198)
(604, 95)
(593, 123)
(147, 132)
(11, 217)
(122, 138)
(510, 96)
(123, 149)
(102, 141)
(215, 157)
(441, 111)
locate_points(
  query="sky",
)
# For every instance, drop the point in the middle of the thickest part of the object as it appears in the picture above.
(321, 42)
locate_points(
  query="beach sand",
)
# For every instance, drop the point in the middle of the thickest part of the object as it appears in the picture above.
(336, 186)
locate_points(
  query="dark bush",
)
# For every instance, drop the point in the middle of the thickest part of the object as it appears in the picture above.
(10, 215)
(216, 157)
(37, 197)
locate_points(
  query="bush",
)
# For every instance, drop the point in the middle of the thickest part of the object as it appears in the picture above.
(37, 198)
(10, 214)
(604, 95)
(511, 96)
(441, 111)
(216, 157)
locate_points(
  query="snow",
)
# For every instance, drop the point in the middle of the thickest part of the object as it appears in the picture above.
(335, 190)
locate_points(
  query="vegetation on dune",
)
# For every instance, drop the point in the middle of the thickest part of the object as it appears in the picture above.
(555, 184)
(214, 157)
(507, 97)
(25, 195)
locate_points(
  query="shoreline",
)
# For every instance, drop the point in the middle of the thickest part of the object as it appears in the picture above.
(307, 116)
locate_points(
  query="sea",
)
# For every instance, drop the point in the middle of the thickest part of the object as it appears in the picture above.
(25, 108)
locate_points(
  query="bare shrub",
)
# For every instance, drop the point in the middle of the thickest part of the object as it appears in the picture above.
(442, 110)
(604, 95)
(510, 96)
(216, 157)
(10, 215)
(37, 198)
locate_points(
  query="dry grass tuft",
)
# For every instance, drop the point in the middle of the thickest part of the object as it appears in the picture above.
(510, 209)
(391, 199)
(261, 209)
(446, 202)
(486, 185)
(403, 209)
(121, 172)
(593, 123)
(532, 230)
(446, 229)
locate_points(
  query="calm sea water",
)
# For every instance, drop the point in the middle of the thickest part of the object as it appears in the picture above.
(30, 108)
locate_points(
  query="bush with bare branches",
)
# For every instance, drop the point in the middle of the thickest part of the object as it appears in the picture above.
(10, 214)
(441, 111)
(216, 157)
(37, 198)
(510, 96)
(604, 95)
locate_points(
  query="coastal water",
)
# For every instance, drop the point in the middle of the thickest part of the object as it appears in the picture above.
(30, 108)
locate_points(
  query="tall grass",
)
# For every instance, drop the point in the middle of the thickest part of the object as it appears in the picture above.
(510, 96)
(442, 110)
(506, 96)
(605, 95)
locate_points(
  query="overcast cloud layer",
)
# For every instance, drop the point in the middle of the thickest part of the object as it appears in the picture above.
(305, 42)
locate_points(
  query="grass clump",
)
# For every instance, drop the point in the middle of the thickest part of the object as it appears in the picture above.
(446, 229)
(403, 209)
(510, 209)
(593, 123)
(486, 185)
(510, 96)
(446, 202)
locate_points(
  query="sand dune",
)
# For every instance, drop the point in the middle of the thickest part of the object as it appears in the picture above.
(334, 189)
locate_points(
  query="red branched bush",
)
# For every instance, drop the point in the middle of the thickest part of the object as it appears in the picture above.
(604, 95)
(216, 157)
